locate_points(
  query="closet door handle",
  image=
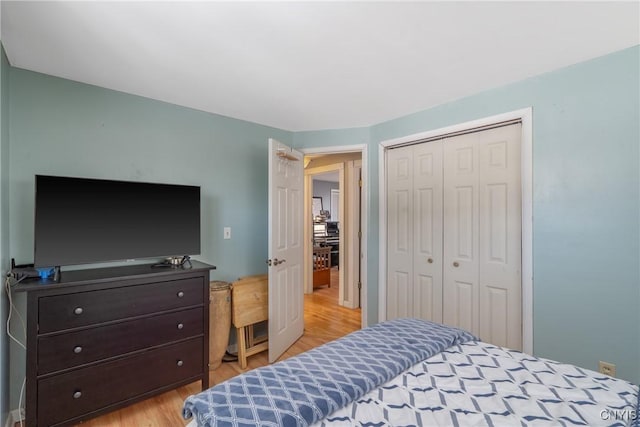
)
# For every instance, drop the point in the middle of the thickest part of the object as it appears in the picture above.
(430, 260)
(456, 264)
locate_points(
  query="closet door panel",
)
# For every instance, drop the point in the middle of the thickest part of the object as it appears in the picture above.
(399, 233)
(427, 229)
(454, 233)
(461, 223)
(500, 237)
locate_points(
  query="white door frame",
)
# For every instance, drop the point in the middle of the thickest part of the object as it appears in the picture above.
(526, 171)
(363, 276)
(353, 192)
(335, 195)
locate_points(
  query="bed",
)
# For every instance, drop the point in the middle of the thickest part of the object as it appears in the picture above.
(410, 372)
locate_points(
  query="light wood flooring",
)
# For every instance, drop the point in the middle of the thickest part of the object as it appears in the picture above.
(324, 321)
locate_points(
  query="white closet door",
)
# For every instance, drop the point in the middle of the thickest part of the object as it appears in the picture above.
(500, 237)
(461, 222)
(482, 236)
(414, 248)
(399, 232)
(427, 231)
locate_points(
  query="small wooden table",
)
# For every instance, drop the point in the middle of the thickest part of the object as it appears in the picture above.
(249, 305)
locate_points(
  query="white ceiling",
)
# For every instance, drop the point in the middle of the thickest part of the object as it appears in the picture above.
(310, 65)
(327, 176)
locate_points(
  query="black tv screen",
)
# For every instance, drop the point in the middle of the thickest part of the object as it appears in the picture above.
(80, 220)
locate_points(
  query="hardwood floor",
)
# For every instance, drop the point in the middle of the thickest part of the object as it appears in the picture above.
(324, 321)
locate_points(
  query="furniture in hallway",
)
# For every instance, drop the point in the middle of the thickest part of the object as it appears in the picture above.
(321, 266)
(327, 233)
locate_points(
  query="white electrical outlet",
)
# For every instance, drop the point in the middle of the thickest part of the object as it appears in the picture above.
(607, 368)
(227, 233)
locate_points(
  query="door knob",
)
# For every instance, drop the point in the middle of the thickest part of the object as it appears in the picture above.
(456, 264)
(430, 260)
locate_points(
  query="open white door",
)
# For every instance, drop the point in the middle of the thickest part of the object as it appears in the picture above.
(286, 301)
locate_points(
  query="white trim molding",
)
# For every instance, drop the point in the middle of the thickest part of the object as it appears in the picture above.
(526, 170)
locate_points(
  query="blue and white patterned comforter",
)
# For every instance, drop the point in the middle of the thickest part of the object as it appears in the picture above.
(306, 388)
(480, 384)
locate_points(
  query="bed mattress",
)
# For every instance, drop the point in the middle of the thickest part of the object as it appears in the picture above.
(479, 384)
(409, 372)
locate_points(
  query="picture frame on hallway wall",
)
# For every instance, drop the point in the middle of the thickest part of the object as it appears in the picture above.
(316, 207)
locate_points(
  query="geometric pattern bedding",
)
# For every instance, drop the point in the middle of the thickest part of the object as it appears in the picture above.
(478, 384)
(307, 387)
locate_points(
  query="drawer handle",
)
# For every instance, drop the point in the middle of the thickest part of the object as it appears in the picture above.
(78, 311)
(180, 363)
(180, 294)
(77, 394)
(180, 326)
(77, 349)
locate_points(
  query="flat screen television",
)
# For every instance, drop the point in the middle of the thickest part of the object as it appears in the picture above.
(82, 220)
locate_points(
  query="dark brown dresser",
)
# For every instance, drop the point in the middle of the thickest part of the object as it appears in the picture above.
(101, 339)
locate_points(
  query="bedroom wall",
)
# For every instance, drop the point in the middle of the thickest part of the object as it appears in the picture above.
(586, 183)
(62, 127)
(4, 232)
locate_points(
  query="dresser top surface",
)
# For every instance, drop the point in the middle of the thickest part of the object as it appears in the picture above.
(137, 271)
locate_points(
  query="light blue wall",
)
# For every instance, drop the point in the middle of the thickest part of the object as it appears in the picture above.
(4, 231)
(61, 127)
(586, 230)
(68, 128)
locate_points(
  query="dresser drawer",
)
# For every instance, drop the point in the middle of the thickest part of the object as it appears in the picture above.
(66, 396)
(66, 350)
(86, 308)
